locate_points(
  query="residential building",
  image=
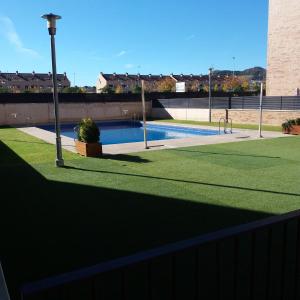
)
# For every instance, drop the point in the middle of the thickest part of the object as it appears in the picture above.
(33, 82)
(127, 82)
(283, 70)
(196, 83)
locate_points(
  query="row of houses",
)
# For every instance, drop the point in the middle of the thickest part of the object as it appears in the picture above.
(129, 82)
(33, 82)
(121, 83)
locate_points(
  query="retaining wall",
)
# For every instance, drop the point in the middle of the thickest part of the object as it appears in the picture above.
(43, 113)
(251, 116)
(246, 116)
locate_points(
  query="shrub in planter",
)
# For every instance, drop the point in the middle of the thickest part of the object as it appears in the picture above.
(88, 137)
(291, 126)
(286, 127)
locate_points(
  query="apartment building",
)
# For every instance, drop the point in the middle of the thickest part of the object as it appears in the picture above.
(283, 70)
(33, 82)
(128, 82)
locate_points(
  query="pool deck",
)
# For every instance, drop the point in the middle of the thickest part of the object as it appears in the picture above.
(237, 136)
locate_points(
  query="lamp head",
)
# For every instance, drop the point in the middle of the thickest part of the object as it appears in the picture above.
(51, 22)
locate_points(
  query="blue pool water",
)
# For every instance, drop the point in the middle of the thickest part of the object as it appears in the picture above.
(119, 132)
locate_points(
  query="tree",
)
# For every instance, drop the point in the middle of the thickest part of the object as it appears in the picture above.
(216, 87)
(74, 90)
(166, 85)
(205, 88)
(194, 87)
(5, 90)
(245, 84)
(232, 84)
(119, 89)
(137, 89)
(108, 90)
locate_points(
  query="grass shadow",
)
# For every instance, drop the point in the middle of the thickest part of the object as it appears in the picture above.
(125, 157)
(225, 154)
(50, 227)
(186, 181)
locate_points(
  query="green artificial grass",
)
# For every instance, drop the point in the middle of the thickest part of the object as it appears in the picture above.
(54, 220)
(216, 124)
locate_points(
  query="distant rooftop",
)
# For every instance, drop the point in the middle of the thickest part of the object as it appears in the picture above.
(30, 76)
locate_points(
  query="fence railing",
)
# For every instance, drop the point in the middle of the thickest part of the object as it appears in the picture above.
(259, 260)
(98, 98)
(3, 288)
(246, 102)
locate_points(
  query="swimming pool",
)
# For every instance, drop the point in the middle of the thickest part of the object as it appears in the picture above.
(119, 132)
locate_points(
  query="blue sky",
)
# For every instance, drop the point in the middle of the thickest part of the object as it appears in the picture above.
(145, 36)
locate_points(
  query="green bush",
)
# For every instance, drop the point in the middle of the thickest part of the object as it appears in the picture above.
(290, 123)
(286, 125)
(88, 131)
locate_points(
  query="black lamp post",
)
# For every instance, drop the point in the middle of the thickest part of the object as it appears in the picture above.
(51, 21)
(209, 94)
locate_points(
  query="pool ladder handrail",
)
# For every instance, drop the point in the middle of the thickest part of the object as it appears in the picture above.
(225, 125)
(135, 118)
(4, 294)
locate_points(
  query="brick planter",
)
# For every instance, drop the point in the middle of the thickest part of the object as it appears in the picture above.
(88, 149)
(295, 129)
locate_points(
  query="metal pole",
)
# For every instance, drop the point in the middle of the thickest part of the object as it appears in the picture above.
(233, 73)
(59, 162)
(261, 109)
(4, 295)
(144, 114)
(209, 95)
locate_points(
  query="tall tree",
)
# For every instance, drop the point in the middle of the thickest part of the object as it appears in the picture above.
(166, 85)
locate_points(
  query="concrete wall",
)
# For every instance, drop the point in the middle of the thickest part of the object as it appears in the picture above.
(193, 114)
(283, 70)
(249, 116)
(43, 113)
(238, 116)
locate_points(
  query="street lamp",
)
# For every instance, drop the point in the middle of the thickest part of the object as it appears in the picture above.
(261, 110)
(233, 66)
(209, 93)
(51, 21)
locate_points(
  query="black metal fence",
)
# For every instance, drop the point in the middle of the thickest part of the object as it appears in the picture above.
(254, 261)
(90, 98)
(245, 102)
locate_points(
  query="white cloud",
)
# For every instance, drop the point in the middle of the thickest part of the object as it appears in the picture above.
(129, 66)
(190, 37)
(7, 29)
(123, 52)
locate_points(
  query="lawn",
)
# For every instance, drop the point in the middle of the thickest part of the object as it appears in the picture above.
(57, 220)
(216, 124)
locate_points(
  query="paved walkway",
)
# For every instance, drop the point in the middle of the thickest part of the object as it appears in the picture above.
(237, 136)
